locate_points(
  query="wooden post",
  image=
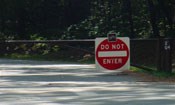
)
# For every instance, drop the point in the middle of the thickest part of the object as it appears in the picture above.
(168, 55)
(164, 55)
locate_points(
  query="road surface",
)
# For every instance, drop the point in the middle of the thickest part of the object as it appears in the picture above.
(24, 82)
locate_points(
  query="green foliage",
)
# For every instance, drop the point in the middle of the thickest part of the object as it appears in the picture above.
(6, 37)
(43, 48)
(37, 37)
(109, 16)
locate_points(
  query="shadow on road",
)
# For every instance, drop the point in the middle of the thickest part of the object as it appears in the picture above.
(51, 83)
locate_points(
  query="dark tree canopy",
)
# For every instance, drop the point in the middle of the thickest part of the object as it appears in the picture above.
(82, 19)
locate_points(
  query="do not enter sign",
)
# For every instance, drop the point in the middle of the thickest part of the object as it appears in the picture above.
(112, 55)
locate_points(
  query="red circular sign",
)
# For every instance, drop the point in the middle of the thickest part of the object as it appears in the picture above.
(112, 55)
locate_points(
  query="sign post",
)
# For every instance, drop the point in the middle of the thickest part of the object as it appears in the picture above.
(112, 54)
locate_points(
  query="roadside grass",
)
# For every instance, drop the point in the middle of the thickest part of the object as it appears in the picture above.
(163, 74)
(154, 73)
(49, 57)
(136, 69)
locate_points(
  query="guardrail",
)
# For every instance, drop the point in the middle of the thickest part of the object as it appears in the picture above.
(151, 54)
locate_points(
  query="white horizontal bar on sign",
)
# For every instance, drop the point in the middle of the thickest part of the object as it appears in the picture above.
(112, 53)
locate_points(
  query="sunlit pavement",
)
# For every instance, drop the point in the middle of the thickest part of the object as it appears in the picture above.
(49, 83)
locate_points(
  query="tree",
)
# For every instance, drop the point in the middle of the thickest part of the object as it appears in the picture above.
(54, 19)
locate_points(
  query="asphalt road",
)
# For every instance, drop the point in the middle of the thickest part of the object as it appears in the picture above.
(25, 82)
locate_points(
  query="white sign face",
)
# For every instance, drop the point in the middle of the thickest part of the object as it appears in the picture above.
(112, 56)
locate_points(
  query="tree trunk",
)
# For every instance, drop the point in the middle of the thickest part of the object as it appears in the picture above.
(127, 16)
(21, 25)
(153, 19)
(130, 19)
(2, 18)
